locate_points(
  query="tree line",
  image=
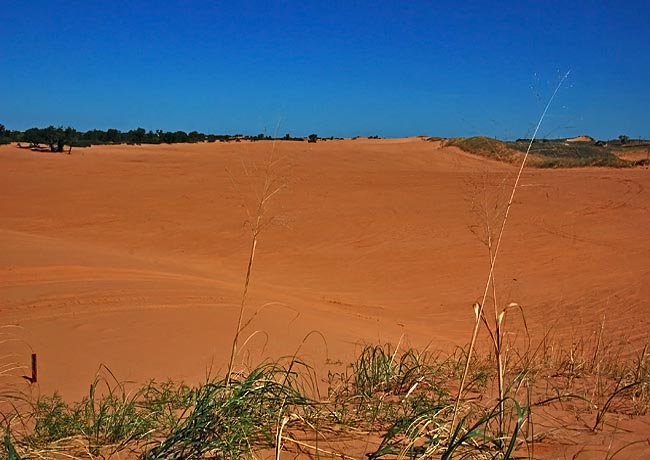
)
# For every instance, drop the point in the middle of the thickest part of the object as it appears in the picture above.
(56, 138)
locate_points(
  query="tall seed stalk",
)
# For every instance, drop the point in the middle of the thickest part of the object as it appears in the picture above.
(257, 223)
(493, 258)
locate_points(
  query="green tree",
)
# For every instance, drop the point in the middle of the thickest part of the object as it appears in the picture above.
(136, 136)
(70, 136)
(114, 136)
(623, 138)
(5, 135)
(312, 138)
(179, 136)
(55, 138)
(196, 136)
(32, 135)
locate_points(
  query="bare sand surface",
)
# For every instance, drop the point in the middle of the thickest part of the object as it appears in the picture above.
(134, 256)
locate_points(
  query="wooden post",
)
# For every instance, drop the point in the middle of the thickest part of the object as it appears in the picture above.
(34, 369)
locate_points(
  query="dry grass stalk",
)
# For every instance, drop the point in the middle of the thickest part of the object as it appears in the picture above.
(493, 258)
(257, 223)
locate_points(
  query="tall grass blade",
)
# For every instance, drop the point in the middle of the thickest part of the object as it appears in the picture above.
(498, 245)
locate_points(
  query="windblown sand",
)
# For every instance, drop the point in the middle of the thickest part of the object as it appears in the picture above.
(135, 256)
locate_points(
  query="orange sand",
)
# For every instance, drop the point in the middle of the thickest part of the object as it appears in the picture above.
(134, 256)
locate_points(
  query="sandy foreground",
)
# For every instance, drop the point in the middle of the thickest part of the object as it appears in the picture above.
(134, 256)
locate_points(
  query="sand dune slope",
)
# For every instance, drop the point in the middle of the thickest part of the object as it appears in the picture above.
(134, 256)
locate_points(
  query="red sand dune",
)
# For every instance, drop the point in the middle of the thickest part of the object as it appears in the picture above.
(135, 256)
(583, 138)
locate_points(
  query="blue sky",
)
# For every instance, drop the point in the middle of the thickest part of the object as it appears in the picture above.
(334, 68)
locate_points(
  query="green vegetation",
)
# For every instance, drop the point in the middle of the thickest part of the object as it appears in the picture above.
(55, 138)
(553, 153)
(232, 416)
(5, 135)
(403, 398)
(559, 153)
(486, 146)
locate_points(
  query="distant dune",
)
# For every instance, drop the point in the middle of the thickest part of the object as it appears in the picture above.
(581, 139)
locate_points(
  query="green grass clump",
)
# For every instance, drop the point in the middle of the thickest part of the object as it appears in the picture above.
(229, 418)
(403, 399)
(558, 153)
(487, 147)
(553, 153)
(382, 368)
(108, 419)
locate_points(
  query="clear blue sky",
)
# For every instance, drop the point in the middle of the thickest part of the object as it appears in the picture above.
(339, 68)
